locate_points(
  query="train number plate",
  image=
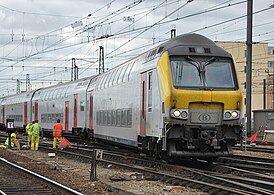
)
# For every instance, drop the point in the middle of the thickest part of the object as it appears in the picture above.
(204, 117)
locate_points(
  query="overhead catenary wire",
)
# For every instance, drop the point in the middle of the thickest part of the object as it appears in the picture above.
(97, 39)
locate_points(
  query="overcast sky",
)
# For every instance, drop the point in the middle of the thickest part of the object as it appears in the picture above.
(40, 37)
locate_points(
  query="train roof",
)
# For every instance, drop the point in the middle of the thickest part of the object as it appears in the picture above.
(62, 90)
(191, 44)
(17, 98)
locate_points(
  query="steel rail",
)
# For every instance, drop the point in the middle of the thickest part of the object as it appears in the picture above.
(43, 179)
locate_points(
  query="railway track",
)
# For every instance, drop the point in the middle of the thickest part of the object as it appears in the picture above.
(209, 182)
(18, 180)
(251, 163)
(255, 149)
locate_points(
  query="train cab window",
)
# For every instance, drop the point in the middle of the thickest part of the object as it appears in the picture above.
(185, 74)
(213, 78)
(208, 72)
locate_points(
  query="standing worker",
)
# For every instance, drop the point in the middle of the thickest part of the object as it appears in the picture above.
(57, 133)
(36, 130)
(29, 132)
(14, 141)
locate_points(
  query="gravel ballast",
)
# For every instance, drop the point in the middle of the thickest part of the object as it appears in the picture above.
(76, 175)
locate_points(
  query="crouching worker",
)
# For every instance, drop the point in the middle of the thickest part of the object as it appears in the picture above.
(14, 141)
(57, 133)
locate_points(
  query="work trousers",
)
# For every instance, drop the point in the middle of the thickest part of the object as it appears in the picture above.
(29, 141)
(55, 140)
(35, 142)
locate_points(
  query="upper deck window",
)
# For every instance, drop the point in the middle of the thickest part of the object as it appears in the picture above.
(203, 73)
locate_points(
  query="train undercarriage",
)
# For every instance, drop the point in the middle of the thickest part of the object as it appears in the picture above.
(192, 142)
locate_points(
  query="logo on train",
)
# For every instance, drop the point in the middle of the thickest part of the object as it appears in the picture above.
(204, 117)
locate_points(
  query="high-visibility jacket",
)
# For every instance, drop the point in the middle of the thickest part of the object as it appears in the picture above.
(57, 130)
(28, 128)
(36, 129)
(7, 140)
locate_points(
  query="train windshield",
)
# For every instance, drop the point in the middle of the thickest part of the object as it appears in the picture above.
(210, 73)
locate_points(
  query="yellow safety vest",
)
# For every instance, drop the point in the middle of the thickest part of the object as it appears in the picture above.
(28, 127)
(36, 129)
(7, 140)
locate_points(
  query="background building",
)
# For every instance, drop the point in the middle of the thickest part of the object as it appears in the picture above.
(262, 68)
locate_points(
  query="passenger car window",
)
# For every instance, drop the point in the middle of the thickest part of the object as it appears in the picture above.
(120, 79)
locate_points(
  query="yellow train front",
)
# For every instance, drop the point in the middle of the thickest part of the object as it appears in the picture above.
(202, 100)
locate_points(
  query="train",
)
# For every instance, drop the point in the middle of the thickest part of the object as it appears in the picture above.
(181, 99)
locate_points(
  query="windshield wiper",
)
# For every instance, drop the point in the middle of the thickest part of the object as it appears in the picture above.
(209, 61)
(197, 65)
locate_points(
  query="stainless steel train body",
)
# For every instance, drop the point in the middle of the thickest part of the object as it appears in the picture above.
(66, 102)
(180, 99)
(17, 107)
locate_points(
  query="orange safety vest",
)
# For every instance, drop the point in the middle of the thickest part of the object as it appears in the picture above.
(57, 130)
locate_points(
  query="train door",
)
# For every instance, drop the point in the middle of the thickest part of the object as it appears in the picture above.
(66, 116)
(36, 110)
(150, 121)
(143, 104)
(75, 111)
(91, 110)
(25, 113)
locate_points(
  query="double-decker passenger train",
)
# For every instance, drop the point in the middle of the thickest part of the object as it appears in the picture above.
(180, 99)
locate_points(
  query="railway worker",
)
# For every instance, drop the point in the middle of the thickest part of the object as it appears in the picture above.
(36, 132)
(57, 133)
(14, 141)
(29, 132)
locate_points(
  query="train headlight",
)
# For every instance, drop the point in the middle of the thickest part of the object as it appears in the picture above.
(231, 114)
(184, 114)
(176, 113)
(234, 114)
(227, 115)
(179, 113)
